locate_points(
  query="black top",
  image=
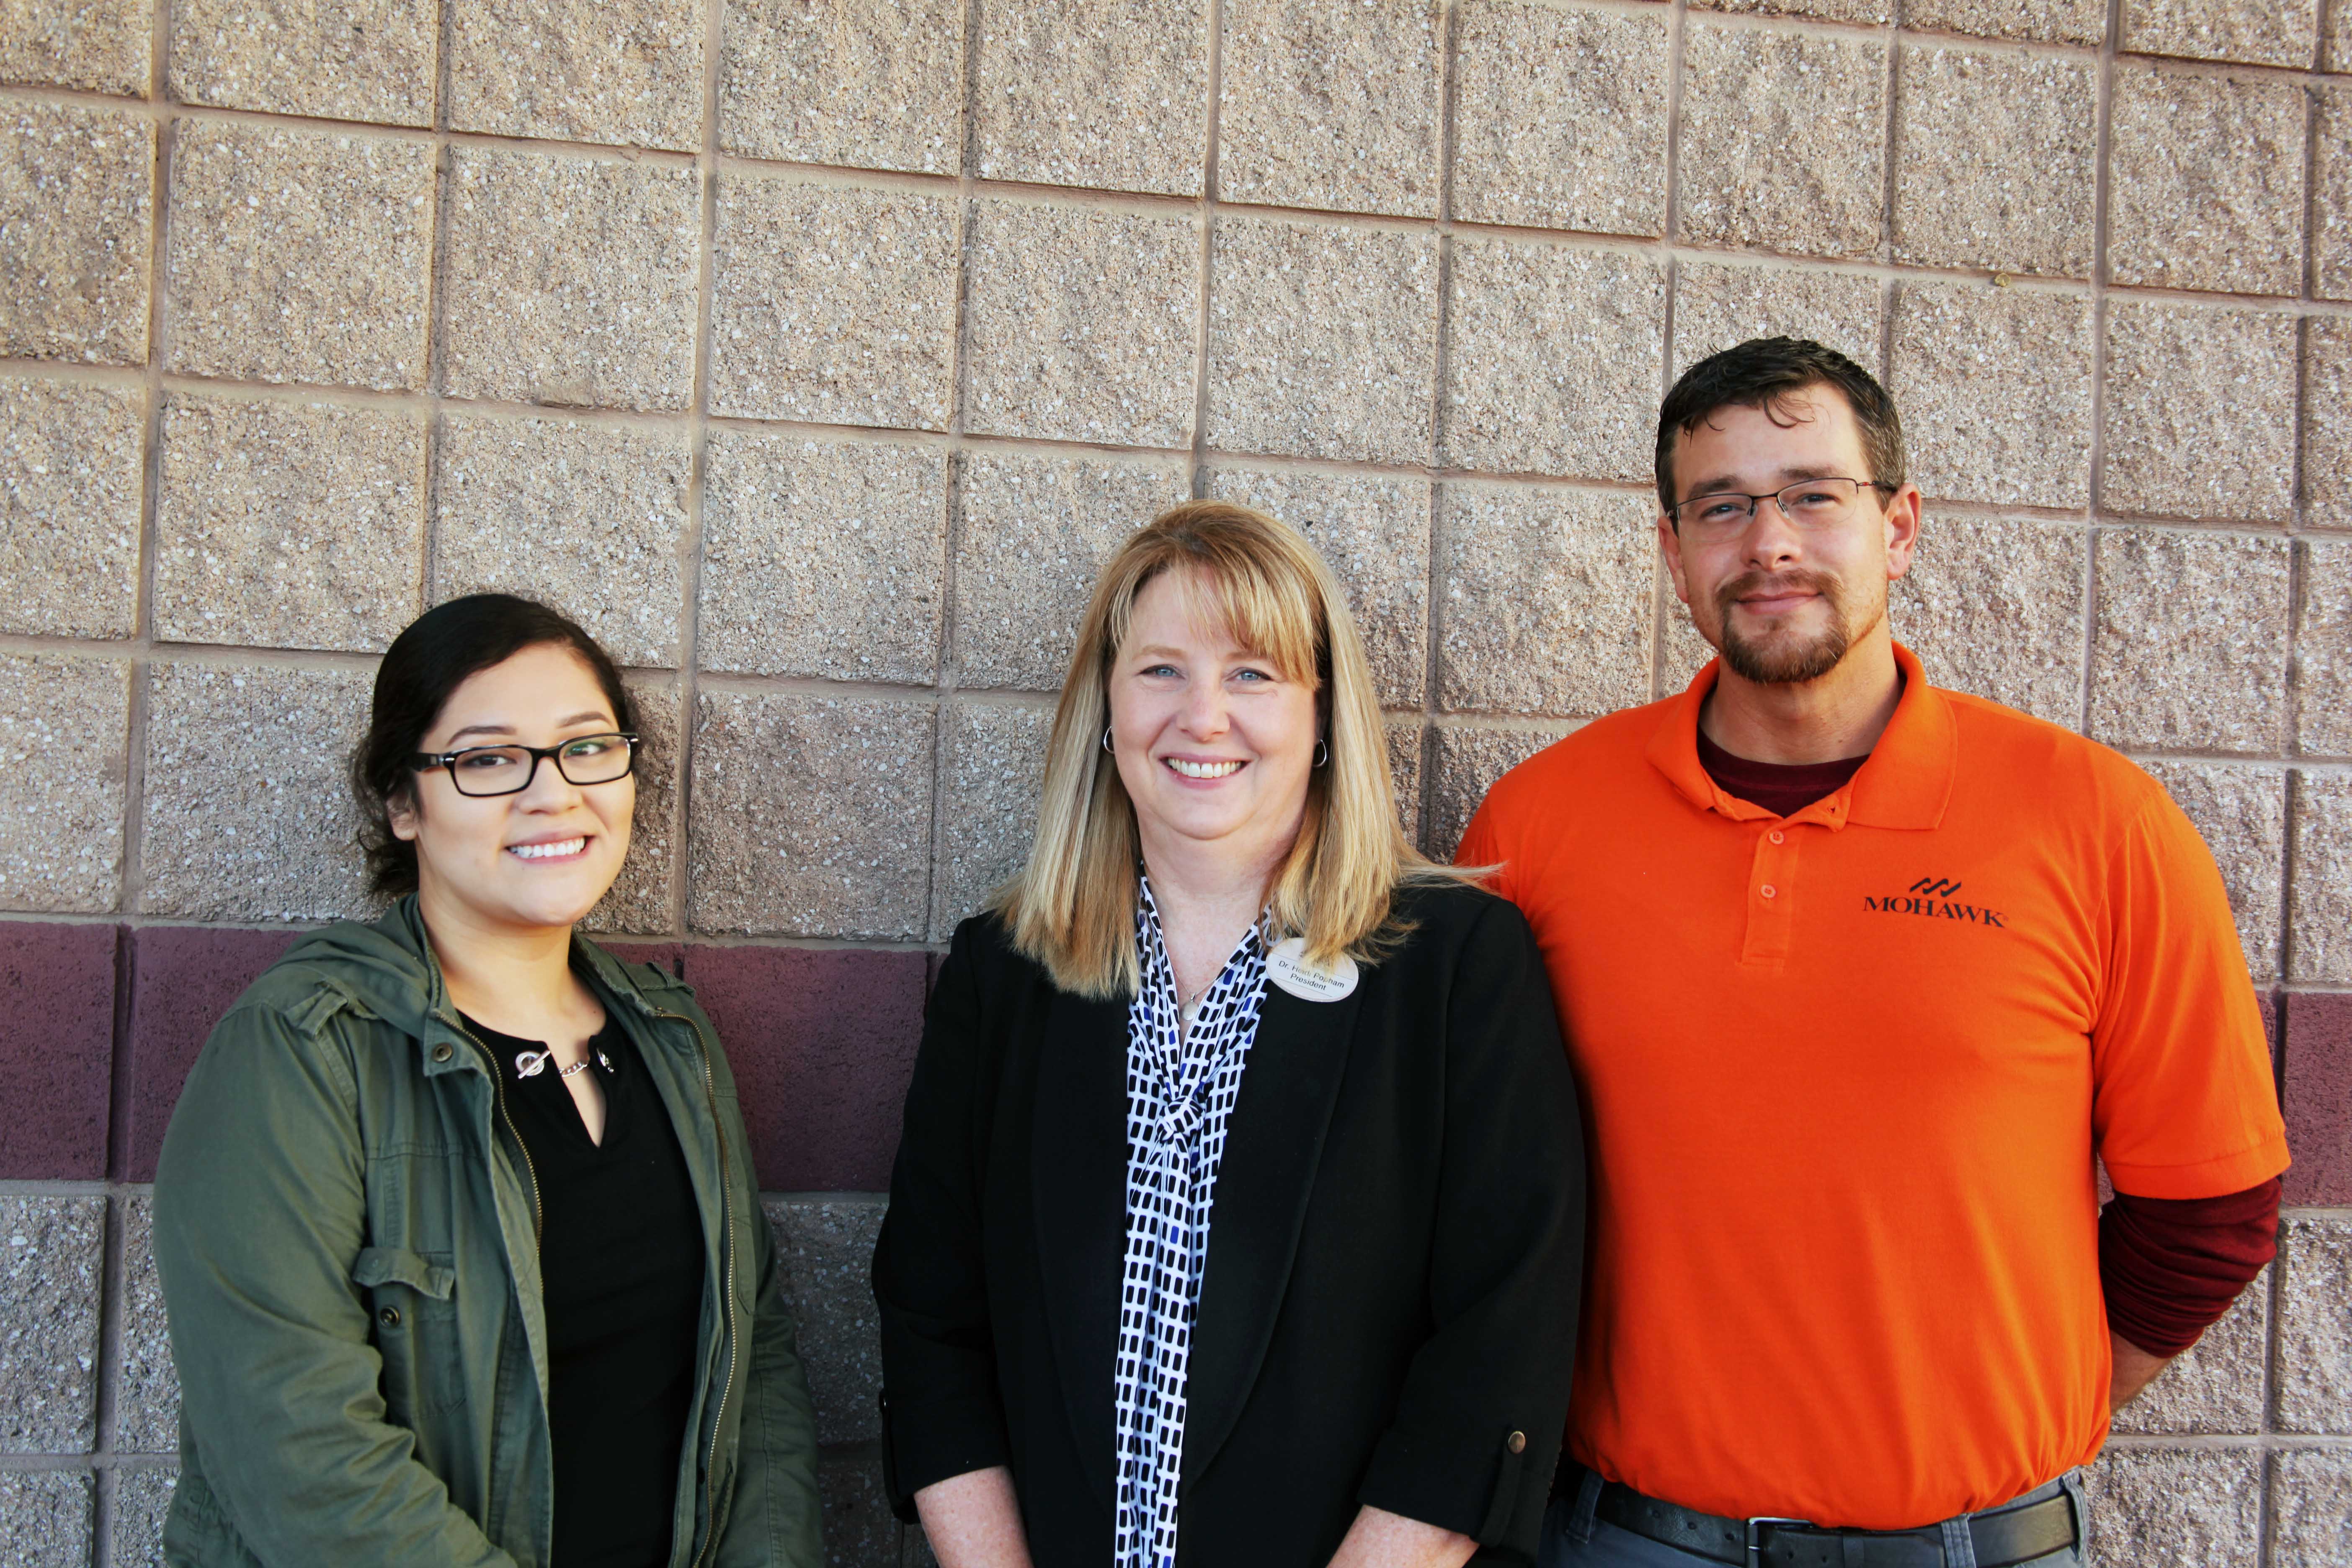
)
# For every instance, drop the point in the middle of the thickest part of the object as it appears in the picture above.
(621, 1260)
(1388, 1313)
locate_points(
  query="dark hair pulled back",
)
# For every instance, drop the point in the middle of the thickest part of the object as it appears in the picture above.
(1764, 373)
(440, 650)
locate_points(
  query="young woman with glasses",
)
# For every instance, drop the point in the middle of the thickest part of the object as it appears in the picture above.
(456, 1222)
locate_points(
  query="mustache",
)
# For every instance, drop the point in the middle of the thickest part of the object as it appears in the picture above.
(1797, 581)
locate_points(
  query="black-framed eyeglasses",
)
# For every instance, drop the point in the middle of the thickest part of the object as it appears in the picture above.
(1809, 504)
(508, 770)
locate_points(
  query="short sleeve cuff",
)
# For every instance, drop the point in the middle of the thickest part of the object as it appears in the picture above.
(2212, 1178)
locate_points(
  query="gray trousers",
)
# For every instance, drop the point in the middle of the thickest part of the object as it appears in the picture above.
(1573, 1537)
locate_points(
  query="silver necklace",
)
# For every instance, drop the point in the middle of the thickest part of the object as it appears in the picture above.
(530, 1064)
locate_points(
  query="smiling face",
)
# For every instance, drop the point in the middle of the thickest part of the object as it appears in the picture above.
(1784, 604)
(1212, 742)
(538, 858)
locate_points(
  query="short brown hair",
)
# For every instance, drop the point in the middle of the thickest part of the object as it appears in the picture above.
(1763, 372)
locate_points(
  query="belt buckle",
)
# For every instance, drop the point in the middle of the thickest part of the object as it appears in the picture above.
(1754, 1520)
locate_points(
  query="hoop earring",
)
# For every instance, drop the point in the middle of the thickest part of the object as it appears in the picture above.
(1322, 752)
(1106, 740)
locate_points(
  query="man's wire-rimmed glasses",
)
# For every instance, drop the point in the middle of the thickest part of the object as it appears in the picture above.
(508, 770)
(1821, 503)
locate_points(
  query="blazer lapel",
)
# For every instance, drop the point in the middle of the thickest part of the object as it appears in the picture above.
(1274, 1143)
(1078, 1176)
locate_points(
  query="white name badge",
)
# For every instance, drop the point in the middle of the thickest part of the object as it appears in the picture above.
(1287, 967)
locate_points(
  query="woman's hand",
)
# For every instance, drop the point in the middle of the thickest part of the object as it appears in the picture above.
(1379, 1538)
(973, 1520)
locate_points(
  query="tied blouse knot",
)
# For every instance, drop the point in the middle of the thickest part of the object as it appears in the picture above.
(1181, 1083)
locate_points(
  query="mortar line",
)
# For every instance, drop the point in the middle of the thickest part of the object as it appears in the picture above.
(2102, 190)
(1449, 65)
(1211, 172)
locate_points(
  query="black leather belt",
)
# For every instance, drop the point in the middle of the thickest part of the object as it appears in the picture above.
(2003, 1539)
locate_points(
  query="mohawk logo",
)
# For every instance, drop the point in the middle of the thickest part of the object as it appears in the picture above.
(1930, 897)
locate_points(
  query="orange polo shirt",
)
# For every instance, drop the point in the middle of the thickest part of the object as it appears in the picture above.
(1845, 1073)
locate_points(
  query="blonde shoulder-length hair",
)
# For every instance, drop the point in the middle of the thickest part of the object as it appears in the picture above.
(1072, 907)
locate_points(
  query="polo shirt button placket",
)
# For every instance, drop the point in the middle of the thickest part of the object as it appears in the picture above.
(1770, 878)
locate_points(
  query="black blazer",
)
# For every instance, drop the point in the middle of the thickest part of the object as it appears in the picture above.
(1387, 1314)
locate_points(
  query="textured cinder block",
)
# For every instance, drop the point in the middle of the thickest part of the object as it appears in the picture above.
(44, 1518)
(1552, 360)
(2199, 412)
(64, 761)
(1559, 118)
(248, 815)
(342, 60)
(1112, 95)
(2319, 908)
(812, 816)
(1995, 389)
(2328, 423)
(993, 763)
(1995, 606)
(823, 558)
(56, 1060)
(570, 280)
(639, 898)
(825, 1256)
(2171, 1506)
(875, 84)
(832, 305)
(2317, 1062)
(50, 1260)
(623, 71)
(2216, 1384)
(1404, 737)
(2255, 32)
(147, 1400)
(2036, 21)
(1862, 12)
(2311, 1508)
(1998, 160)
(1331, 103)
(1322, 341)
(1464, 764)
(77, 192)
(823, 1042)
(98, 46)
(2323, 650)
(1543, 600)
(2242, 815)
(2331, 177)
(1783, 140)
(1719, 306)
(2205, 182)
(142, 1497)
(860, 1530)
(2314, 1393)
(1373, 530)
(2189, 648)
(288, 525)
(1082, 326)
(587, 518)
(299, 257)
(72, 459)
(1032, 533)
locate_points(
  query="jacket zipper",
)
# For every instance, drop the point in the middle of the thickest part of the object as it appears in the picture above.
(726, 1291)
(498, 1088)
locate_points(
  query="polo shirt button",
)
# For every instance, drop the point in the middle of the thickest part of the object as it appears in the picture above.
(1776, 836)
(1516, 1442)
(1767, 889)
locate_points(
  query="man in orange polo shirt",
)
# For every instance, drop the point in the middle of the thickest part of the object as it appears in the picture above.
(1859, 976)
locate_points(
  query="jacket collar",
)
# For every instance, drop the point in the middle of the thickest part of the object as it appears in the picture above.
(1907, 783)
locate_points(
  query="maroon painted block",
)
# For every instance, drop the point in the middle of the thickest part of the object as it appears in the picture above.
(662, 955)
(56, 1050)
(823, 1042)
(2319, 1099)
(183, 978)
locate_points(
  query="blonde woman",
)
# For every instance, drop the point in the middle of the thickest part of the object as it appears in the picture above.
(1238, 1214)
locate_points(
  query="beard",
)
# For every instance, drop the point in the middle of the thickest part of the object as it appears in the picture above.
(1783, 657)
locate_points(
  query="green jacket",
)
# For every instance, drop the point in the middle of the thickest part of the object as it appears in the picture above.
(346, 1228)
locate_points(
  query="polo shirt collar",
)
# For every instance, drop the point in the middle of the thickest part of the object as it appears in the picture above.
(1906, 784)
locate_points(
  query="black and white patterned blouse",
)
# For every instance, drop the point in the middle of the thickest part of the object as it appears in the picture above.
(1181, 1088)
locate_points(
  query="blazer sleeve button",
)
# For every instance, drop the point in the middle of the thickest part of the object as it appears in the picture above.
(1516, 1442)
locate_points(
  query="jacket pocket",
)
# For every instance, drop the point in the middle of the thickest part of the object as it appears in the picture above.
(411, 1303)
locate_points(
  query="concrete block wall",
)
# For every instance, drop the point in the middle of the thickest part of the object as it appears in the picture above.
(813, 351)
